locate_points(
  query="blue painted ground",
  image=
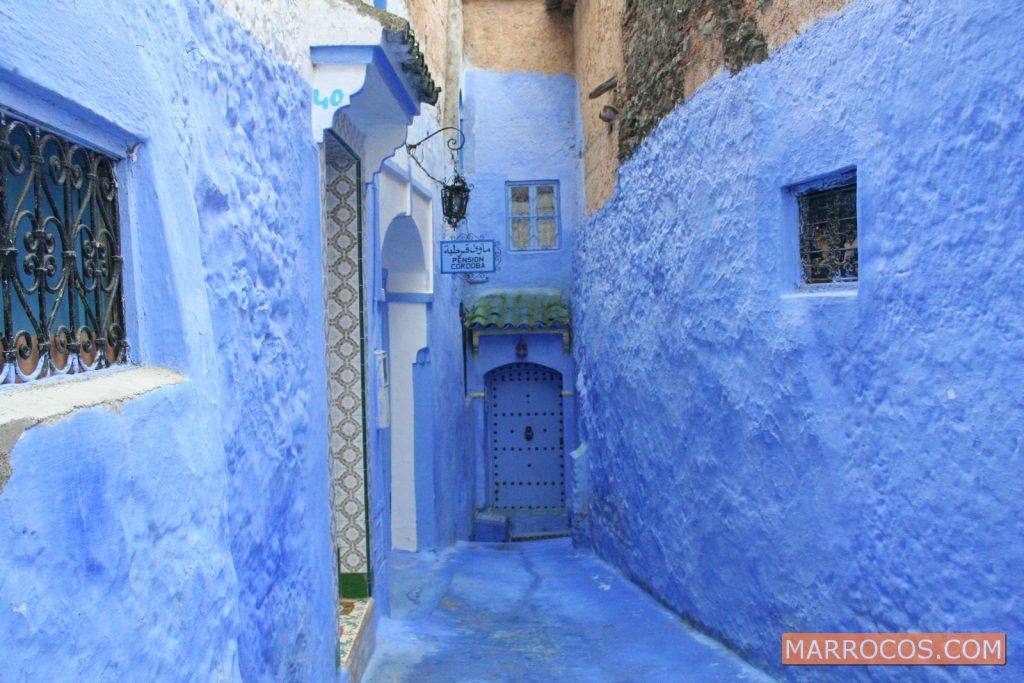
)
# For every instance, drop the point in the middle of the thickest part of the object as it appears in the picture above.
(537, 611)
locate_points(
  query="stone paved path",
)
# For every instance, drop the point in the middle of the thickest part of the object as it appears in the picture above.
(538, 611)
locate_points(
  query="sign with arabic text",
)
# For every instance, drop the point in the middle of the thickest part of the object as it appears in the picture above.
(467, 256)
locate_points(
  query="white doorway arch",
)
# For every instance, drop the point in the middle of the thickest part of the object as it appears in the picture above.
(406, 283)
(403, 258)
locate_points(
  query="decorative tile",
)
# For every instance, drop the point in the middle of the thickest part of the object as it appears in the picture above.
(352, 617)
(342, 330)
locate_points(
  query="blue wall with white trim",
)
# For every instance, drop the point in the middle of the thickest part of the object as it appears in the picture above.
(764, 461)
(185, 535)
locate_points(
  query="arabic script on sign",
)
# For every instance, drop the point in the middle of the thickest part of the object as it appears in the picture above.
(467, 256)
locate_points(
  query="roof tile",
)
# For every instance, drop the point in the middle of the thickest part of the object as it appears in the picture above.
(518, 309)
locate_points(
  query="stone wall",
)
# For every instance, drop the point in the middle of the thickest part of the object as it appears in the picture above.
(767, 460)
(185, 535)
(673, 47)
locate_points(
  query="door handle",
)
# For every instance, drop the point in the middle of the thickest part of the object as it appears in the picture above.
(529, 433)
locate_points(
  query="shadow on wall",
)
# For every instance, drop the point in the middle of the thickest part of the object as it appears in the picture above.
(403, 258)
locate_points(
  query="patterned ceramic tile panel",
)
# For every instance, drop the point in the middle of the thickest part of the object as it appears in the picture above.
(352, 616)
(341, 306)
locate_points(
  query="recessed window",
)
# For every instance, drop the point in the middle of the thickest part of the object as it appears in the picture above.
(533, 216)
(828, 230)
(60, 256)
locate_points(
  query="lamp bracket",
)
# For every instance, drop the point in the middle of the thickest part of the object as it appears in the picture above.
(454, 144)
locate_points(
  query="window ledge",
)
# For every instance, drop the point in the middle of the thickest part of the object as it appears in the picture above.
(824, 293)
(25, 406)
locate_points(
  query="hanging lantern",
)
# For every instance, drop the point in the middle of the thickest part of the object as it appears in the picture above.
(454, 200)
(454, 195)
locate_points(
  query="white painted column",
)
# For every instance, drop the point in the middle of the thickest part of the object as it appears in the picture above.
(407, 324)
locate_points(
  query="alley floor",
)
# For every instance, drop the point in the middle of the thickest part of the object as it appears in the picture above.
(536, 611)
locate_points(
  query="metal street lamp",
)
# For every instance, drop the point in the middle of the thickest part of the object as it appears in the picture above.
(454, 194)
(454, 200)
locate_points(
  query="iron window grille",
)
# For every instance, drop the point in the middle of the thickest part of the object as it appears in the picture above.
(60, 256)
(533, 216)
(828, 232)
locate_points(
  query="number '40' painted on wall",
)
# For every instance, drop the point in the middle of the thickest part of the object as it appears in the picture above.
(334, 100)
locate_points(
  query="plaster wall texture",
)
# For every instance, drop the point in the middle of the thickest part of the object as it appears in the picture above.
(282, 26)
(517, 35)
(184, 535)
(522, 127)
(765, 461)
(597, 40)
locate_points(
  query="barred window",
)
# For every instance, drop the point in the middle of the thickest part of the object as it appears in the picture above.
(533, 215)
(60, 256)
(828, 231)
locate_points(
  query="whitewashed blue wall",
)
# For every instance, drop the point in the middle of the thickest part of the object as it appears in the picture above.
(184, 536)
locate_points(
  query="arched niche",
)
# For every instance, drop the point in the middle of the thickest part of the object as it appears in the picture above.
(403, 257)
(403, 260)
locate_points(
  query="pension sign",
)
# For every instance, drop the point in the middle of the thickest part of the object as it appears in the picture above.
(467, 256)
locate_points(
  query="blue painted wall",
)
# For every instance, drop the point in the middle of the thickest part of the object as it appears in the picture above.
(522, 127)
(496, 351)
(186, 535)
(767, 463)
(454, 463)
(378, 485)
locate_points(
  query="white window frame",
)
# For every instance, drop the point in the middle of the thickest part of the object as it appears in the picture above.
(533, 216)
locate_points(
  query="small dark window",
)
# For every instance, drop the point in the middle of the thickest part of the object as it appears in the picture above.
(533, 216)
(828, 232)
(60, 256)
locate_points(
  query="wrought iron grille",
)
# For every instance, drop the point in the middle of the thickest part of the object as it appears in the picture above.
(828, 234)
(60, 256)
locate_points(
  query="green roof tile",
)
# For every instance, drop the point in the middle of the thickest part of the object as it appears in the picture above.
(518, 309)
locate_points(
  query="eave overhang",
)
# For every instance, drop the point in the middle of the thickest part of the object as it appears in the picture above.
(380, 84)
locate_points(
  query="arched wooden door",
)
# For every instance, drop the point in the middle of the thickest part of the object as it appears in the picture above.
(526, 428)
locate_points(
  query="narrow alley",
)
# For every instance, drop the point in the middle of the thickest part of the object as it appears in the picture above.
(536, 611)
(464, 341)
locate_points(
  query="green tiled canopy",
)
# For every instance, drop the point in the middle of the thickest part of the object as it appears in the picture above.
(526, 309)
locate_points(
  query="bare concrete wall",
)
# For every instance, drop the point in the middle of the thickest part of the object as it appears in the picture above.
(597, 30)
(517, 35)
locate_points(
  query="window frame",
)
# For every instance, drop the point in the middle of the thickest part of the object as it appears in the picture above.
(534, 217)
(117, 147)
(797, 284)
